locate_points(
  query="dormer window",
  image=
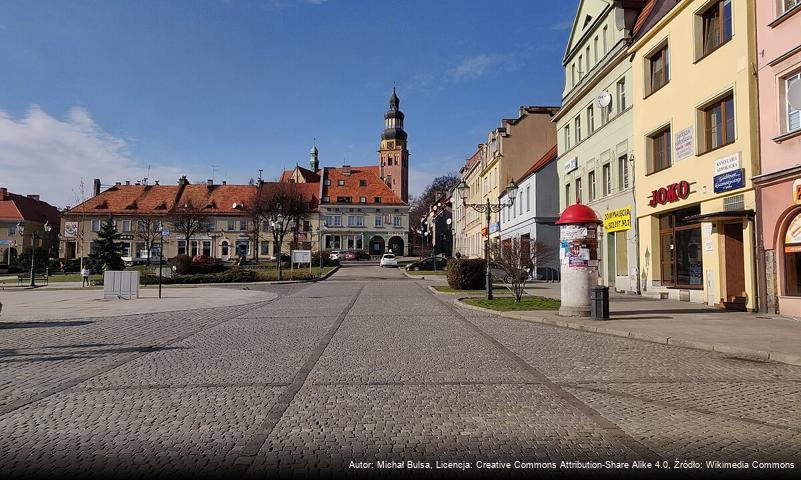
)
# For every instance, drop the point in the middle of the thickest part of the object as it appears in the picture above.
(362, 183)
(341, 183)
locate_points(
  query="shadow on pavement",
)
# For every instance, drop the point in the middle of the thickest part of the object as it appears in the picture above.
(73, 323)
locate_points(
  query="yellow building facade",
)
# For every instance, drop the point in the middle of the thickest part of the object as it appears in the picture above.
(696, 149)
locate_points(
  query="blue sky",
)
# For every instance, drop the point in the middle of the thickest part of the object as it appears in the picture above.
(105, 88)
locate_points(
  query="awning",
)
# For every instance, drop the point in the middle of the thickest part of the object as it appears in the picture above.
(724, 216)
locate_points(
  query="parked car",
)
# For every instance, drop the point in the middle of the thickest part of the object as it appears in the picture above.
(351, 256)
(499, 275)
(547, 273)
(389, 260)
(335, 255)
(428, 264)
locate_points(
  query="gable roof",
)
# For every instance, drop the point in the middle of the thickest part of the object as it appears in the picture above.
(358, 182)
(650, 15)
(14, 207)
(305, 174)
(595, 9)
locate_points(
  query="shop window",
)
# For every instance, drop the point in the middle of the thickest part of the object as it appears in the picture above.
(621, 254)
(715, 26)
(719, 123)
(657, 66)
(680, 249)
(792, 258)
(659, 150)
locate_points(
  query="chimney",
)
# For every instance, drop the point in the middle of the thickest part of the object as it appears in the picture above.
(209, 182)
(183, 180)
(157, 182)
(224, 182)
(127, 182)
(3, 193)
(96, 188)
(34, 197)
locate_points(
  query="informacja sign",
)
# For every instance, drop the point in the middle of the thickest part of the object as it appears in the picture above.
(672, 193)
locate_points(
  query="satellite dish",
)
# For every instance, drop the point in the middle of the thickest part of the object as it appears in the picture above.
(603, 99)
(794, 95)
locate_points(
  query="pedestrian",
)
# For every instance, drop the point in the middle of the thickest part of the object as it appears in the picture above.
(84, 277)
(62, 268)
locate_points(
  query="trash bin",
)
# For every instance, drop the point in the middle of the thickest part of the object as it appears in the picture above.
(599, 303)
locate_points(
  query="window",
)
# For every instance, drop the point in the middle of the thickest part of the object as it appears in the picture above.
(621, 94)
(567, 136)
(716, 26)
(719, 123)
(344, 199)
(789, 5)
(591, 182)
(181, 247)
(659, 150)
(573, 75)
(587, 58)
(305, 226)
(95, 225)
(623, 172)
(341, 183)
(327, 181)
(568, 200)
(792, 258)
(12, 229)
(379, 220)
(595, 48)
(793, 115)
(621, 254)
(362, 199)
(326, 199)
(207, 248)
(376, 199)
(590, 119)
(243, 225)
(396, 222)
(658, 70)
(606, 34)
(607, 178)
(265, 248)
(126, 225)
(581, 74)
(355, 221)
(578, 190)
(680, 250)
(231, 225)
(333, 221)
(577, 126)
(352, 242)
(528, 199)
(362, 183)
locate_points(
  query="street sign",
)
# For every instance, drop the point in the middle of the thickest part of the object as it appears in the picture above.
(729, 181)
(165, 233)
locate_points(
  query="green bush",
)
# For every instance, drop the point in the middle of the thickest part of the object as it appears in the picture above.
(234, 275)
(466, 273)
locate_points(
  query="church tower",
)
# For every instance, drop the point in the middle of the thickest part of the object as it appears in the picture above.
(314, 161)
(393, 155)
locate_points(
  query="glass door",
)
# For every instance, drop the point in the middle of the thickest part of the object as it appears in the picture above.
(667, 258)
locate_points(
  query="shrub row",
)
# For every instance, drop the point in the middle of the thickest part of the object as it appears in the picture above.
(466, 273)
(233, 275)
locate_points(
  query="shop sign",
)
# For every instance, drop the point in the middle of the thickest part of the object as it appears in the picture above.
(571, 165)
(684, 143)
(494, 227)
(672, 193)
(797, 192)
(126, 237)
(618, 220)
(727, 164)
(70, 229)
(729, 181)
(793, 234)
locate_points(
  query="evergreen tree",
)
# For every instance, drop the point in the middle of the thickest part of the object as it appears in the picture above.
(107, 249)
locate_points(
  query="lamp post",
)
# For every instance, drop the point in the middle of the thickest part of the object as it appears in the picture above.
(278, 227)
(34, 237)
(487, 209)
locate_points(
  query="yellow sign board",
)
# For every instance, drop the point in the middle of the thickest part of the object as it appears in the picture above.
(618, 220)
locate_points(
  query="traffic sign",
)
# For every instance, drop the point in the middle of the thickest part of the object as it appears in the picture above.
(165, 233)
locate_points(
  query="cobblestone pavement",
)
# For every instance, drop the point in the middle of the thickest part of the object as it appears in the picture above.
(365, 367)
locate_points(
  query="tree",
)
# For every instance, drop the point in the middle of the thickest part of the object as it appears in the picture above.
(518, 259)
(283, 205)
(107, 250)
(148, 231)
(188, 220)
(420, 205)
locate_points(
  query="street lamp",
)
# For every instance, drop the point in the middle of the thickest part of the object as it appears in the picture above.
(488, 209)
(34, 237)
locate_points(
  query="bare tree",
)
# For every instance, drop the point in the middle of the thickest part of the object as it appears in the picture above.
(283, 205)
(189, 220)
(148, 231)
(516, 258)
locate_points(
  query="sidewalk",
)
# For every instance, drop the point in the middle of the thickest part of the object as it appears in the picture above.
(43, 304)
(683, 324)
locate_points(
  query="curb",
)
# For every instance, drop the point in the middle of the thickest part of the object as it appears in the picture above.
(779, 357)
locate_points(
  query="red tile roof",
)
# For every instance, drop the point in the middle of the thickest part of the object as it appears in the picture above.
(358, 182)
(307, 175)
(549, 157)
(14, 207)
(475, 157)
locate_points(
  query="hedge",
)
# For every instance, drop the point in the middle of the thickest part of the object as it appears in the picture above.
(466, 273)
(233, 275)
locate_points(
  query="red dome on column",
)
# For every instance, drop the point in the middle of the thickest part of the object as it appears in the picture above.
(577, 214)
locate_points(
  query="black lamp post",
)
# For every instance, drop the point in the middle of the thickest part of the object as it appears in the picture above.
(488, 209)
(278, 227)
(34, 237)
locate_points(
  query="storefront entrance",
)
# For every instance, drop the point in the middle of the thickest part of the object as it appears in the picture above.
(376, 246)
(735, 270)
(680, 250)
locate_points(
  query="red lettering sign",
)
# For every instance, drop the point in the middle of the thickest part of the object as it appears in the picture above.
(672, 193)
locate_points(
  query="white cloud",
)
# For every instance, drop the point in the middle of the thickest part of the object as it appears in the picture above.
(477, 65)
(47, 156)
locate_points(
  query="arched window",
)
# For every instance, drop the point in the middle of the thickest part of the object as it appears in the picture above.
(792, 258)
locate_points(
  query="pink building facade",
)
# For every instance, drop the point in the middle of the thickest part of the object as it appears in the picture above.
(778, 186)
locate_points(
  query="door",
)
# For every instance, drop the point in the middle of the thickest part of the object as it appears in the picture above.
(667, 251)
(735, 269)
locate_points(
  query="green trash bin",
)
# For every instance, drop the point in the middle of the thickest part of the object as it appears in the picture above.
(599, 303)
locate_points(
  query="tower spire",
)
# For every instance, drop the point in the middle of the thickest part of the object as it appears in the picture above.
(314, 162)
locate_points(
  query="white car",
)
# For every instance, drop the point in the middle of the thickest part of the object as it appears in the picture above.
(388, 260)
(335, 255)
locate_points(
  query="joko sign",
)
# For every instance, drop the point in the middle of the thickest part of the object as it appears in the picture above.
(672, 193)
